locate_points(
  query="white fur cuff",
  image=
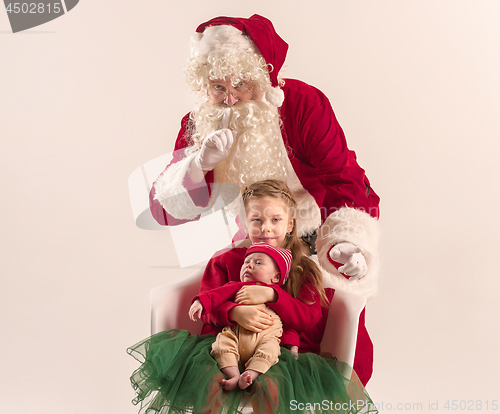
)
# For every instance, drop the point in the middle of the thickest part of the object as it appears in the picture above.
(359, 228)
(173, 196)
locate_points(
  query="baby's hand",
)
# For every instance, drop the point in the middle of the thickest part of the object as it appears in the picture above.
(294, 350)
(195, 310)
(255, 295)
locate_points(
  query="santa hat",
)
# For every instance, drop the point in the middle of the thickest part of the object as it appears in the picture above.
(282, 257)
(270, 45)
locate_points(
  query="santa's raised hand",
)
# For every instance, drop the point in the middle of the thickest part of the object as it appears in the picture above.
(352, 259)
(216, 146)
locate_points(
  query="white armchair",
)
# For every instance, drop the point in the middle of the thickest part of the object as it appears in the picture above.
(170, 303)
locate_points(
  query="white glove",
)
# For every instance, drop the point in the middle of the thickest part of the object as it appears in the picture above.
(351, 256)
(216, 146)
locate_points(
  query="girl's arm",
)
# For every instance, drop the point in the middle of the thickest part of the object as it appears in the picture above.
(250, 317)
(215, 276)
(299, 314)
(255, 295)
(290, 339)
(305, 313)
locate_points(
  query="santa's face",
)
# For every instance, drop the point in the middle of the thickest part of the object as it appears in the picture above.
(268, 220)
(224, 91)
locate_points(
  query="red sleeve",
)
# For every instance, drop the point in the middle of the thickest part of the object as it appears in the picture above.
(215, 298)
(344, 180)
(317, 140)
(290, 336)
(298, 314)
(200, 194)
(221, 269)
(310, 339)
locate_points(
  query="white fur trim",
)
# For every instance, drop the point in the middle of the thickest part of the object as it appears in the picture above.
(307, 214)
(359, 228)
(172, 195)
(275, 96)
(224, 39)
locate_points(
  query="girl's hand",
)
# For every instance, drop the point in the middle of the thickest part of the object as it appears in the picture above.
(251, 318)
(195, 310)
(294, 349)
(255, 295)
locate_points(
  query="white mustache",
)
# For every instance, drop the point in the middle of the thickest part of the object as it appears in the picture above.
(243, 116)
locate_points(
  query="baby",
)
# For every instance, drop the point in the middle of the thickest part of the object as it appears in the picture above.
(234, 345)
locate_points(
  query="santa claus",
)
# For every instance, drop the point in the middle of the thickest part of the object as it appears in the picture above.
(251, 125)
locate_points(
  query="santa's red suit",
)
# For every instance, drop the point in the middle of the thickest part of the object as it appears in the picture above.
(331, 189)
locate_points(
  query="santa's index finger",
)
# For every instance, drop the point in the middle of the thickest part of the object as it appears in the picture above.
(225, 118)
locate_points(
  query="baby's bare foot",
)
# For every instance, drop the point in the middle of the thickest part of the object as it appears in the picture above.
(245, 380)
(230, 383)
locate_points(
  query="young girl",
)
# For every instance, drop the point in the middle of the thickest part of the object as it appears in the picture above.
(178, 372)
(269, 209)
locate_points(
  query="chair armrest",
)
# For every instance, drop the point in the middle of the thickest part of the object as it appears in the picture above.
(170, 305)
(341, 330)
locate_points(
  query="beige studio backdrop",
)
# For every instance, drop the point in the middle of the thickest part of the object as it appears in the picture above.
(91, 96)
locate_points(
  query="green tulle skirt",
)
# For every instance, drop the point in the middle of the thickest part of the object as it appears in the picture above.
(177, 374)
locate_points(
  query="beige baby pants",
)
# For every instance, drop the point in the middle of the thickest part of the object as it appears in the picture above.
(257, 351)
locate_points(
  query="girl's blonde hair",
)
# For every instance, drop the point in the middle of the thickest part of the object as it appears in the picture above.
(302, 267)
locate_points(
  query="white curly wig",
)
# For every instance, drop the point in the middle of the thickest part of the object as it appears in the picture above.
(224, 51)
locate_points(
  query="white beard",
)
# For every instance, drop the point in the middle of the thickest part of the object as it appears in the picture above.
(258, 152)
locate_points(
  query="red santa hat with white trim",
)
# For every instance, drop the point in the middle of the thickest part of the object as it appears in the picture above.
(270, 45)
(282, 257)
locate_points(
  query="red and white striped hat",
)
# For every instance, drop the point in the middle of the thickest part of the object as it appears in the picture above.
(282, 257)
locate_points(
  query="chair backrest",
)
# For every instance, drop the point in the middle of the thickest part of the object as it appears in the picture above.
(170, 304)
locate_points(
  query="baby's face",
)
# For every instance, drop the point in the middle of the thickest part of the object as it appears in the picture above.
(259, 267)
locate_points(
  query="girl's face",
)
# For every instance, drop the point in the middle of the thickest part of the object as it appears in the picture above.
(268, 220)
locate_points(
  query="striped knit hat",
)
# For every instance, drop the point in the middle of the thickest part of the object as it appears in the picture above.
(282, 257)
